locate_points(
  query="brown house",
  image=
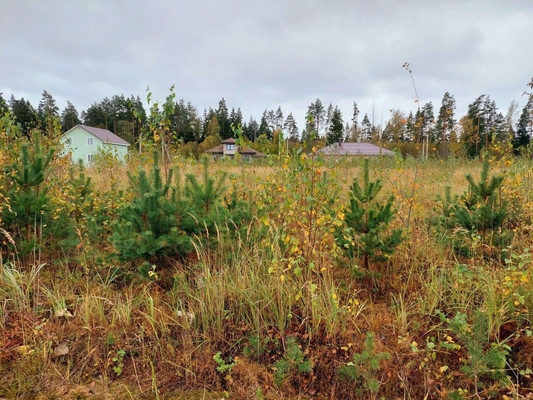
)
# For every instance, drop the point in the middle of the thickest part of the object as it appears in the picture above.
(229, 148)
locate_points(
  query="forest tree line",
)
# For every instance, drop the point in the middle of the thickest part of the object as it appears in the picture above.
(483, 126)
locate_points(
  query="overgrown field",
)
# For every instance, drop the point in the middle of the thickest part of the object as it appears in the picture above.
(296, 277)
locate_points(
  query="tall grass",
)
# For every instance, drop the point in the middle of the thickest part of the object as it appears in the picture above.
(239, 289)
(20, 286)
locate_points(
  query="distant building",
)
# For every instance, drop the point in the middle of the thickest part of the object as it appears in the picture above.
(229, 148)
(85, 141)
(355, 149)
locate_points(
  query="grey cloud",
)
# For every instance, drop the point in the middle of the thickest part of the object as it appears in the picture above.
(263, 54)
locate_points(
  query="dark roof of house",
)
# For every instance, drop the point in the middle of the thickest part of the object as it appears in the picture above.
(354, 149)
(103, 134)
(250, 151)
(229, 141)
(216, 150)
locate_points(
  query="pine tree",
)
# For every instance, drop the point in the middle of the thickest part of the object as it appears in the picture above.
(445, 121)
(347, 132)
(411, 131)
(223, 119)
(94, 116)
(367, 221)
(137, 115)
(329, 116)
(251, 129)
(364, 366)
(235, 117)
(353, 134)
(264, 127)
(157, 222)
(395, 129)
(69, 117)
(425, 118)
(355, 115)
(485, 358)
(24, 114)
(28, 213)
(206, 199)
(3, 105)
(183, 123)
(293, 361)
(48, 112)
(481, 124)
(278, 121)
(366, 129)
(510, 118)
(291, 128)
(480, 213)
(485, 211)
(318, 112)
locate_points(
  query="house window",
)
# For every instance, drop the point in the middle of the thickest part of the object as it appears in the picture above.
(230, 147)
(90, 158)
(90, 141)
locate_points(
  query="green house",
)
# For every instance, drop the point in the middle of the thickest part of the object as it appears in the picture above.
(85, 141)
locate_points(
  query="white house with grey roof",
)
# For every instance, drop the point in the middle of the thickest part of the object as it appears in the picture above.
(85, 141)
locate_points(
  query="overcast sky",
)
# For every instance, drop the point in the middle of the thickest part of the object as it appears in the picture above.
(260, 54)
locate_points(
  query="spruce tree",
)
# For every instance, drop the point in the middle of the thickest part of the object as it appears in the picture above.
(336, 127)
(524, 129)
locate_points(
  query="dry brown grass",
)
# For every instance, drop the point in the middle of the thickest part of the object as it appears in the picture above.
(232, 298)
